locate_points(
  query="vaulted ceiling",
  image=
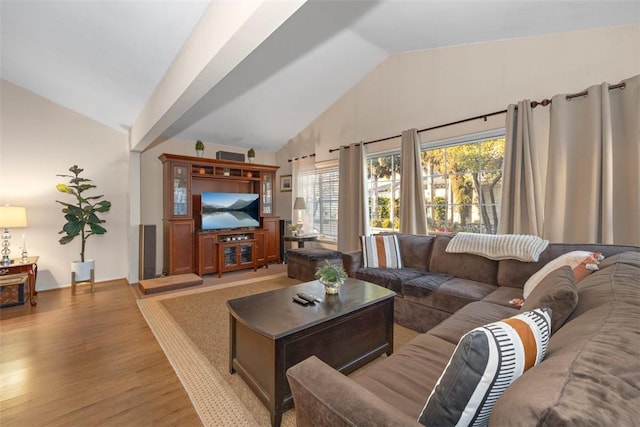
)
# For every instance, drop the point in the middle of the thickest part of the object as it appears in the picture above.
(108, 60)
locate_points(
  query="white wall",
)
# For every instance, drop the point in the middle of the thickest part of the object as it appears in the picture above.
(39, 139)
(151, 180)
(432, 87)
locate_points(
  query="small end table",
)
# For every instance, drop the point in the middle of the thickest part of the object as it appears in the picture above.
(30, 266)
(301, 239)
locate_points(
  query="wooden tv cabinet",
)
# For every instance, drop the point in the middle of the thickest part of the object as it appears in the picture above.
(185, 178)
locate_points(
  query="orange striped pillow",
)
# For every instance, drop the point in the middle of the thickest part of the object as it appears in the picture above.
(485, 362)
(381, 251)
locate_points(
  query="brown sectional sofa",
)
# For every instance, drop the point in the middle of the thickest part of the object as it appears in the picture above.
(589, 376)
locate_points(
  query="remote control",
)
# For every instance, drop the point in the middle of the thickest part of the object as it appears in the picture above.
(300, 301)
(307, 297)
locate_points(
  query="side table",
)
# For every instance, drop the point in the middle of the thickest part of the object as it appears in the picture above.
(30, 267)
(300, 239)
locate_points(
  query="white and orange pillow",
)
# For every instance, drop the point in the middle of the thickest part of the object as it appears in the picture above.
(582, 263)
(382, 251)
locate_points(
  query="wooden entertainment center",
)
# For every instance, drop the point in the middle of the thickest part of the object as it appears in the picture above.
(188, 249)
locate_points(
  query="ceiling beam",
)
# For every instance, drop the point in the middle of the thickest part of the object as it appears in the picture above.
(225, 35)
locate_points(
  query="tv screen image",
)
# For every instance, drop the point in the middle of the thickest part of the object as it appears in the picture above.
(230, 210)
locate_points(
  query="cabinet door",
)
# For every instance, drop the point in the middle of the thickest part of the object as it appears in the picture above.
(272, 238)
(207, 254)
(260, 247)
(180, 191)
(267, 193)
(180, 246)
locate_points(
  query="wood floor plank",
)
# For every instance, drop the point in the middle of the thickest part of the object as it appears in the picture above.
(88, 359)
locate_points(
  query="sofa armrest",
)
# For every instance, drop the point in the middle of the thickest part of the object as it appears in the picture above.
(352, 261)
(323, 396)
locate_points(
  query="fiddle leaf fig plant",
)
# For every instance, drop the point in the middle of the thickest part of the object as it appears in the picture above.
(82, 215)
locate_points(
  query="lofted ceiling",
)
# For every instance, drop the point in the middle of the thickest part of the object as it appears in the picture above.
(104, 59)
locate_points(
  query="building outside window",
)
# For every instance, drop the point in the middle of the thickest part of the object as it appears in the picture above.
(462, 181)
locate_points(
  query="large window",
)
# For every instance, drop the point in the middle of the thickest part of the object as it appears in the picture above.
(462, 185)
(320, 189)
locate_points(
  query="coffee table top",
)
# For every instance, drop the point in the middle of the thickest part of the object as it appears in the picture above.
(274, 314)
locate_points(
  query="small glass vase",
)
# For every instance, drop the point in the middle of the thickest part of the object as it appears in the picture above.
(331, 288)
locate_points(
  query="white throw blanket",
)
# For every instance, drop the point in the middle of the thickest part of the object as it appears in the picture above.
(499, 246)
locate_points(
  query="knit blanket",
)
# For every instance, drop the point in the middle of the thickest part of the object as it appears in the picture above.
(522, 247)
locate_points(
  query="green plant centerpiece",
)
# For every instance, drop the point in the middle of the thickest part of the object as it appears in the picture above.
(332, 276)
(81, 216)
(251, 154)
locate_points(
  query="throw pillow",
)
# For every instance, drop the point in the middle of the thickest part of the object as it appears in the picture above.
(582, 263)
(381, 251)
(557, 291)
(629, 257)
(485, 362)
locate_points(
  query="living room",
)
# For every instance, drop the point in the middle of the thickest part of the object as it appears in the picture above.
(419, 89)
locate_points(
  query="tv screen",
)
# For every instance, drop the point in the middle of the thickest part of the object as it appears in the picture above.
(230, 210)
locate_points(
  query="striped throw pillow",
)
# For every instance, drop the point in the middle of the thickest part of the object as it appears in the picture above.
(485, 362)
(381, 251)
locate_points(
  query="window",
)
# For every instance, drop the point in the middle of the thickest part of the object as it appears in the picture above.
(320, 190)
(462, 184)
(462, 181)
(383, 186)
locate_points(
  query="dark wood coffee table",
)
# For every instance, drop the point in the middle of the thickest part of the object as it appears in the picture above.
(269, 333)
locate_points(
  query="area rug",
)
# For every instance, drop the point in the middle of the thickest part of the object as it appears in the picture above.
(192, 327)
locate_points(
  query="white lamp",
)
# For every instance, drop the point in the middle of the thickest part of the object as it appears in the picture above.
(10, 216)
(299, 204)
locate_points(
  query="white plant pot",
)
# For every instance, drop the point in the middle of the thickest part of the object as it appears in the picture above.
(199, 153)
(83, 269)
(252, 159)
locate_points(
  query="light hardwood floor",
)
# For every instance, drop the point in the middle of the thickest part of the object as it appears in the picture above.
(90, 359)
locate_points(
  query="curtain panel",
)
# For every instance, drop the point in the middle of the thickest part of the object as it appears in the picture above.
(593, 175)
(302, 171)
(353, 206)
(413, 216)
(522, 205)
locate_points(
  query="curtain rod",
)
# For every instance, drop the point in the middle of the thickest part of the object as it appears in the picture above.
(303, 157)
(534, 104)
(586, 92)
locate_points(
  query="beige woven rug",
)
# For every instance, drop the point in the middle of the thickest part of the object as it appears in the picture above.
(192, 327)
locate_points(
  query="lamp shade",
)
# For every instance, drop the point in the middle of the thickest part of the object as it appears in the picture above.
(13, 216)
(299, 203)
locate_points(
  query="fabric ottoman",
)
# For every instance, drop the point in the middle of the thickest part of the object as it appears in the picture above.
(302, 263)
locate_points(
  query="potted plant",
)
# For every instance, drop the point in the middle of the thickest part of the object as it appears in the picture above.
(82, 217)
(251, 154)
(199, 148)
(332, 276)
(226, 171)
(293, 229)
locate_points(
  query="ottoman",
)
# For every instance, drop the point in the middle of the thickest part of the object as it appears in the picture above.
(302, 263)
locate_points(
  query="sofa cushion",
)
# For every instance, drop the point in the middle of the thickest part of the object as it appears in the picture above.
(581, 262)
(557, 291)
(485, 362)
(629, 257)
(469, 317)
(589, 377)
(465, 266)
(522, 247)
(410, 374)
(381, 251)
(504, 295)
(423, 285)
(388, 277)
(617, 283)
(454, 294)
(415, 250)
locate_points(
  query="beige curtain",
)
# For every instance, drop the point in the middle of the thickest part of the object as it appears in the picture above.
(522, 206)
(413, 216)
(353, 217)
(593, 182)
(302, 171)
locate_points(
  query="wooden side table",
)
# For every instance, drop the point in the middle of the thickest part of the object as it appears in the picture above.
(30, 266)
(300, 239)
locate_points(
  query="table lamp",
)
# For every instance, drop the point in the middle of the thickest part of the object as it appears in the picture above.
(10, 216)
(299, 204)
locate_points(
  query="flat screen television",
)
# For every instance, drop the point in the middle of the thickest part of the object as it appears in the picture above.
(225, 211)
